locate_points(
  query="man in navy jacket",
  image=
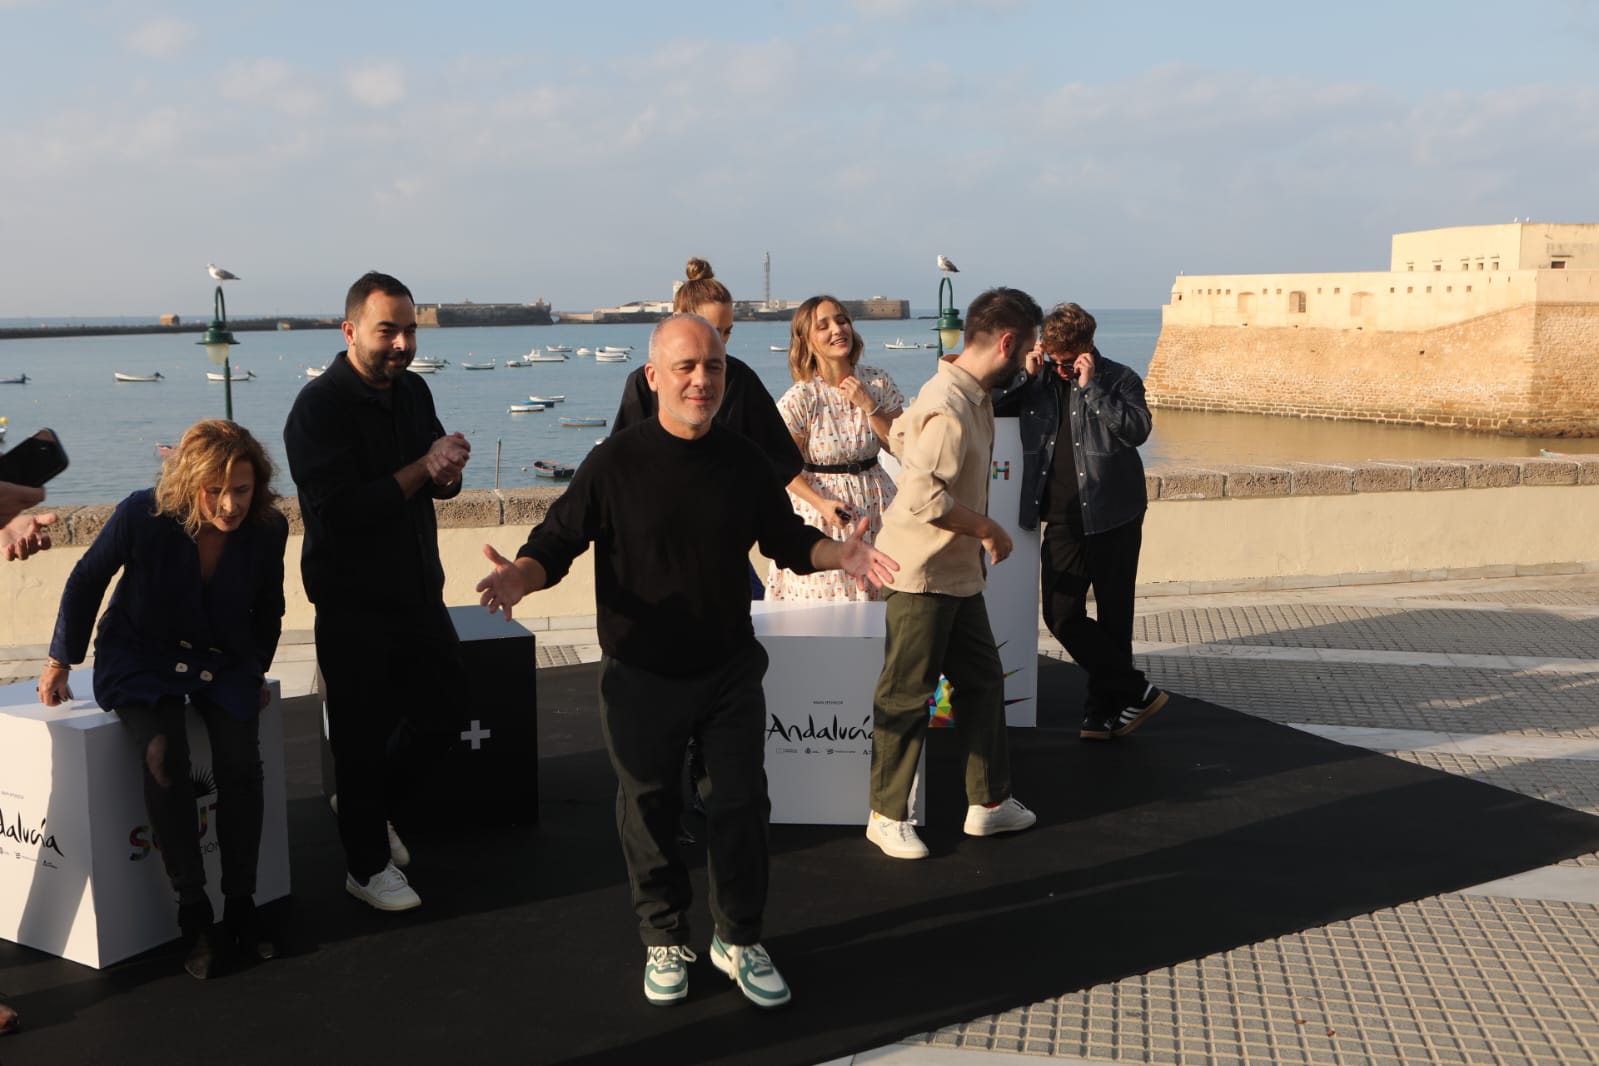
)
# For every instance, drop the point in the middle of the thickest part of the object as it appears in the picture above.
(1082, 418)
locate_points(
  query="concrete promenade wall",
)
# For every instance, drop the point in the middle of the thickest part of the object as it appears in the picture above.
(1209, 529)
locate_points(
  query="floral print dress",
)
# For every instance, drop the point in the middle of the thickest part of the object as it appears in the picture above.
(836, 432)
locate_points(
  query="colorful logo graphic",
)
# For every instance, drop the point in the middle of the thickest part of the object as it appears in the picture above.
(940, 709)
(1001, 471)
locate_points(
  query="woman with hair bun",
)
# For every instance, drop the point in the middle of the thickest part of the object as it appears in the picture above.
(195, 620)
(839, 412)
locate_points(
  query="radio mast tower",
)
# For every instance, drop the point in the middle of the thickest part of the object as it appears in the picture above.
(768, 261)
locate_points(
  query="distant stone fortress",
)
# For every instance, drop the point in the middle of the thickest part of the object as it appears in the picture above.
(536, 313)
(1492, 328)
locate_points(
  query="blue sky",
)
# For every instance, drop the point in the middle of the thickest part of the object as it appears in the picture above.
(581, 152)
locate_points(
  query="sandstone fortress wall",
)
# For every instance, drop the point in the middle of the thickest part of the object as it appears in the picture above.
(1492, 328)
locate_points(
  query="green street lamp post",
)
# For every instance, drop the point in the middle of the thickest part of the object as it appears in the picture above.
(216, 342)
(949, 326)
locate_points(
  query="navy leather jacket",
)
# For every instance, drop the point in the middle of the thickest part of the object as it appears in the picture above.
(1109, 420)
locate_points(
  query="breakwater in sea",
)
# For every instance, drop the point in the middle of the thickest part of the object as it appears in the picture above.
(237, 325)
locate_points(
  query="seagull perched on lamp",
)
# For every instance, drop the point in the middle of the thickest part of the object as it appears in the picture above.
(220, 274)
(947, 265)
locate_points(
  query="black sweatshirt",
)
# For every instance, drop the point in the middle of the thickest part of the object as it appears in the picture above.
(672, 522)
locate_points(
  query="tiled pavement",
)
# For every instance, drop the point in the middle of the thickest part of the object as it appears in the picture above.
(1495, 679)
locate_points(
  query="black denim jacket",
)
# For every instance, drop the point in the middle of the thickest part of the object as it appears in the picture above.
(1109, 420)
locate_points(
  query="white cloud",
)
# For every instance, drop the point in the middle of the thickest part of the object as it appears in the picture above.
(270, 83)
(377, 85)
(163, 38)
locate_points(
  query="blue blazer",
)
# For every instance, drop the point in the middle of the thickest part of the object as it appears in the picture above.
(166, 632)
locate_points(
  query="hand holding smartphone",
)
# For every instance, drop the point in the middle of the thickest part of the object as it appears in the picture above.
(34, 461)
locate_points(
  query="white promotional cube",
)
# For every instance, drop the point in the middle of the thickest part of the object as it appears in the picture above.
(80, 874)
(825, 659)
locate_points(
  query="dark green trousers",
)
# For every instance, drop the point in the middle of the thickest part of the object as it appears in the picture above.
(928, 635)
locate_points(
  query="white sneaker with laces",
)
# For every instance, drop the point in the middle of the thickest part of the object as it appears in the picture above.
(387, 890)
(897, 839)
(666, 974)
(1008, 817)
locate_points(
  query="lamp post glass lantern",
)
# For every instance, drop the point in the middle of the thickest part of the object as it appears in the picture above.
(949, 326)
(216, 342)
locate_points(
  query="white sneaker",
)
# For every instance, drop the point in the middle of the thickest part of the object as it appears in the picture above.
(1008, 817)
(897, 839)
(387, 890)
(399, 854)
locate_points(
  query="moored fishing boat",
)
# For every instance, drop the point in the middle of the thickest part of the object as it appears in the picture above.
(478, 366)
(525, 408)
(571, 420)
(901, 345)
(559, 348)
(554, 471)
(238, 375)
(120, 376)
(547, 399)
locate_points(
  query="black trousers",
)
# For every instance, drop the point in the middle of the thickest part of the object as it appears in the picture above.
(392, 682)
(648, 719)
(163, 741)
(1070, 563)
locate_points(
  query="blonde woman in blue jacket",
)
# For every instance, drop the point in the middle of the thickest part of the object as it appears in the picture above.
(194, 621)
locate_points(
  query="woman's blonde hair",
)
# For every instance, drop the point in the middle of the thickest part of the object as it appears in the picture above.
(204, 458)
(801, 359)
(700, 289)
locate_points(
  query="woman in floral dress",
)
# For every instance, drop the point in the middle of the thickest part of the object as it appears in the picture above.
(839, 413)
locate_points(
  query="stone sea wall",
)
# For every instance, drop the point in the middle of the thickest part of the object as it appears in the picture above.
(1532, 370)
(1209, 529)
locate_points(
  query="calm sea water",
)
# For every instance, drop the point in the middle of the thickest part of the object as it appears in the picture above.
(111, 429)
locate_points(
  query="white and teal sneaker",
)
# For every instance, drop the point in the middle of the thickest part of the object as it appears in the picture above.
(666, 974)
(751, 969)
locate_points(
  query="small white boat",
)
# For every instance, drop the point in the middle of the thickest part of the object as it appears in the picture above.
(569, 420)
(777, 348)
(238, 375)
(546, 399)
(428, 361)
(536, 356)
(120, 376)
(514, 363)
(624, 349)
(20, 379)
(314, 371)
(585, 351)
(425, 368)
(554, 471)
(524, 408)
(558, 348)
(610, 357)
(479, 366)
(900, 345)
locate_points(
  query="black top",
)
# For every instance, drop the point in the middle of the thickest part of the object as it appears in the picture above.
(367, 546)
(1062, 500)
(672, 522)
(747, 408)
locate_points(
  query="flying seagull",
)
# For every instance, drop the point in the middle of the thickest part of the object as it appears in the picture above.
(220, 274)
(947, 265)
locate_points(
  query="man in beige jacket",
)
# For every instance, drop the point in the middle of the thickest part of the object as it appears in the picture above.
(939, 530)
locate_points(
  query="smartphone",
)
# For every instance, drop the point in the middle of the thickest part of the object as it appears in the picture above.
(34, 461)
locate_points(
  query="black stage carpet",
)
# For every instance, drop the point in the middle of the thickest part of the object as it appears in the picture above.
(1207, 830)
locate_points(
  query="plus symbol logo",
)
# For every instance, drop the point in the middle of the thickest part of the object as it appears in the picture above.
(477, 735)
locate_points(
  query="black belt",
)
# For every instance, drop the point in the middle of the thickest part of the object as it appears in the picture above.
(841, 468)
